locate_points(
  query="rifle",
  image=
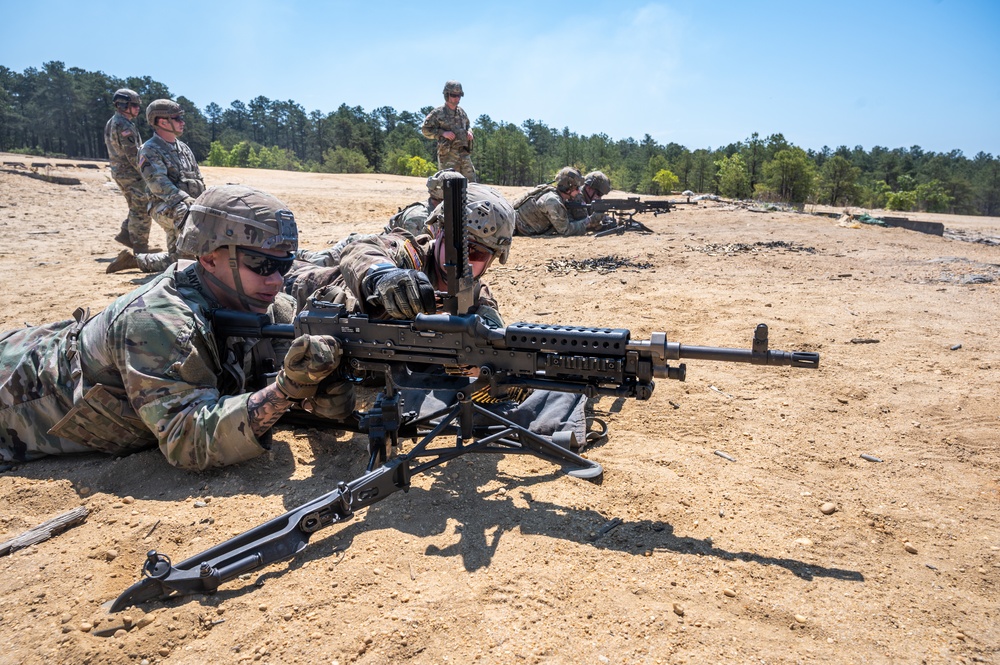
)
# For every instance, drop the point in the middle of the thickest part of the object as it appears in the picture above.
(410, 354)
(620, 213)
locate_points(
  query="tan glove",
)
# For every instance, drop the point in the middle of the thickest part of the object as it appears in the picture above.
(334, 399)
(181, 212)
(597, 221)
(310, 359)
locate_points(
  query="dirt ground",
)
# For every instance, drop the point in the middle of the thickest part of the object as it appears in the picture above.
(505, 560)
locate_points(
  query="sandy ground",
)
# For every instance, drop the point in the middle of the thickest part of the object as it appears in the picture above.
(505, 560)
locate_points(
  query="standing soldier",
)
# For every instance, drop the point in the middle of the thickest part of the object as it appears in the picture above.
(449, 126)
(121, 136)
(174, 181)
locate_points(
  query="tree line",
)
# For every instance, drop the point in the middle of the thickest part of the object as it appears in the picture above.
(58, 111)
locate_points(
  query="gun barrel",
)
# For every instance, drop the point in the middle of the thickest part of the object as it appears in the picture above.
(789, 358)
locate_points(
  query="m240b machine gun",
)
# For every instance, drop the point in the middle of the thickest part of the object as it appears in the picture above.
(620, 213)
(411, 355)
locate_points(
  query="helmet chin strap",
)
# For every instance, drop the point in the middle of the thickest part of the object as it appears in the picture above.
(248, 302)
(169, 131)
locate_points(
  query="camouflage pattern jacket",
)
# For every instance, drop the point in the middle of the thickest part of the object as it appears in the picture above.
(542, 211)
(443, 119)
(170, 172)
(146, 371)
(412, 218)
(123, 141)
(341, 282)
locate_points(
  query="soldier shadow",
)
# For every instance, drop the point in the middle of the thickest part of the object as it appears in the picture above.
(147, 475)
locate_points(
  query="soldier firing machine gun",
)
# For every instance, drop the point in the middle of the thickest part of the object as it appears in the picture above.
(620, 213)
(409, 354)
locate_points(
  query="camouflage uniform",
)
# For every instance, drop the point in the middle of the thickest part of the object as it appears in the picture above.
(542, 211)
(452, 154)
(341, 282)
(123, 141)
(173, 178)
(412, 218)
(145, 371)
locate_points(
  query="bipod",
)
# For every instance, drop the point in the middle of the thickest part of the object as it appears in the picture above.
(474, 429)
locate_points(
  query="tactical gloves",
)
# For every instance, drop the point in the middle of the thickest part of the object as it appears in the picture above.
(181, 212)
(310, 359)
(596, 221)
(334, 399)
(402, 293)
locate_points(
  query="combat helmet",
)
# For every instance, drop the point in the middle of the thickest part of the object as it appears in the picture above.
(240, 216)
(568, 178)
(162, 108)
(598, 182)
(489, 219)
(453, 88)
(435, 183)
(123, 97)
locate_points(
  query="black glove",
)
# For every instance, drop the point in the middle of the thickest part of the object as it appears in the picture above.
(402, 293)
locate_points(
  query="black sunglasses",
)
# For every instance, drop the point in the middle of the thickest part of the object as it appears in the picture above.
(265, 264)
(177, 118)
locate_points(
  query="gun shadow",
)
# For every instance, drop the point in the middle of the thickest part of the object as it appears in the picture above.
(479, 518)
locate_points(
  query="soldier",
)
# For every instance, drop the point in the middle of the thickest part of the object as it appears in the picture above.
(394, 276)
(123, 141)
(174, 181)
(149, 370)
(387, 274)
(449, 126)
(595, 186)
(546, 210)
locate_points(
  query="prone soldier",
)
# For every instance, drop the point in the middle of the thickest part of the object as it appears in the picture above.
(149, 370)
(394, 275)
(544, 210)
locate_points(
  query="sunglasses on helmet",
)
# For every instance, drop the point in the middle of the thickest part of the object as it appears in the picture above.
(265, 264)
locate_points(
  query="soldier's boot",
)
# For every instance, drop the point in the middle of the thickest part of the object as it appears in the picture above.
(124, 237)
(124, 261)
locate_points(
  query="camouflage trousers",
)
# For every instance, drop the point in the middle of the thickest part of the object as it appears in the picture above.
(459, 160)
(158, 261)
(138, 221)
(32, 399)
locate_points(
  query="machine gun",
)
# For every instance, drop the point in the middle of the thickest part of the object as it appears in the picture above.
(411, 355)
(620, 213)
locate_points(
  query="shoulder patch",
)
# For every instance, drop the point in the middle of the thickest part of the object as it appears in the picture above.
(127, 132)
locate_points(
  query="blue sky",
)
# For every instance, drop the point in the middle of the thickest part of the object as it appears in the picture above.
(895, 73)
